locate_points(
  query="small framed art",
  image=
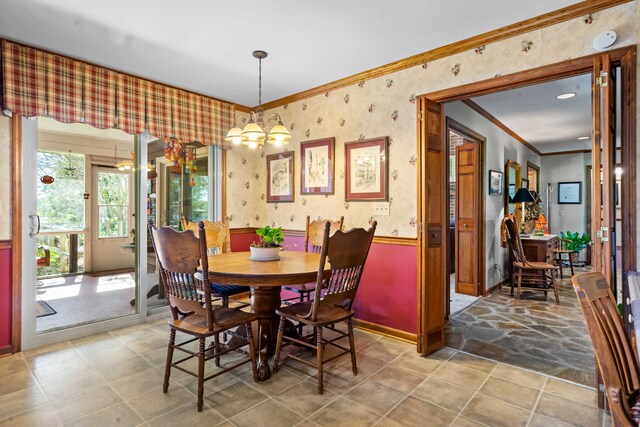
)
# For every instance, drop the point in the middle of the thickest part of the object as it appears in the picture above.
(367, 171)
(280, 177)
(495, 183)
(570, 193)
(317, 166)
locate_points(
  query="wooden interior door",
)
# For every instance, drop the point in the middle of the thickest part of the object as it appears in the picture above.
(433, 214)
(467, 234)
(603, 218)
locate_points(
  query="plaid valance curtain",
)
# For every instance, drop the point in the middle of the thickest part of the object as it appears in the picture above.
(37, 83)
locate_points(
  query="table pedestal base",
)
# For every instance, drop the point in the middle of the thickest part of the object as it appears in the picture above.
(264, 303)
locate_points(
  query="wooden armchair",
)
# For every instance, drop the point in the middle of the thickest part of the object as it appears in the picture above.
(333, 300)
(218, 241)
(539, 276)
(616, 359)
(313, 235)
(180, 254)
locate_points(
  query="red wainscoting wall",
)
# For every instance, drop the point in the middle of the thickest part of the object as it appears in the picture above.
(5, 298)
(387, 295)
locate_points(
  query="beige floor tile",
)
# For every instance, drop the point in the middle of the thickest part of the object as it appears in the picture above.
(46, 349)
(385, 350)
(139, 383)
(132, 333)
(214, 384)
(151, 341)
(377, 397)
(306, 423)
(445, 353)
(387, 422)
(443, 394)
(44, 416)
(343, 412)
(417, 362)
(304, 398)
(52, 356)
(367, 365)
(416, 412)
(15, 382)
(85, 403)
(567, 411)
(6, 358)
(63, 387)
(13, 367)
(123, 369)
(466, 422)
(398, 378)
(108, 356)
(188, 415)
(157, 357)
(267, 414)
(20, 401)
(117, 415)
(519, 376)
(577, 393)
(495, 412)
(278, 382)
(541, 421)
(459, 375)
(473, 362)
(234, 399)
(519, 395)
(62, 368)
(155, 403)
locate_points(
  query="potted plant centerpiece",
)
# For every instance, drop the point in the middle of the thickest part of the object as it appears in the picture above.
(268, 247)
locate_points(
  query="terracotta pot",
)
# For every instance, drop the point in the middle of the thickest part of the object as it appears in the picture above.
(265, 254)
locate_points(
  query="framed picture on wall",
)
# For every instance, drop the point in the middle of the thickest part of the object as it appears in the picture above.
(317, 166)
(367, 172)
(524, 183)
(569, 193)
(280, 177)
(495, 183)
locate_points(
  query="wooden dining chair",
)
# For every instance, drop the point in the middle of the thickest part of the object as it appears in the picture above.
(313, 235)
(346, 253)
(559, 252)
(537, 276)
(615, 356)
(180, 254)
(218, 241)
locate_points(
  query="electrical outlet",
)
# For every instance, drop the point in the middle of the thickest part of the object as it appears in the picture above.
(381, 209)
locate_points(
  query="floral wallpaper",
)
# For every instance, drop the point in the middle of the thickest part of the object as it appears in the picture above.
(385, 106)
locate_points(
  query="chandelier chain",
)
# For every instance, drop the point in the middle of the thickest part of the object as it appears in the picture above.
(260, 82)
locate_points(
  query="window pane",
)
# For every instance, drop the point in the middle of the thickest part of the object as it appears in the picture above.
(113, 221)
(113, 188)
(61, 203)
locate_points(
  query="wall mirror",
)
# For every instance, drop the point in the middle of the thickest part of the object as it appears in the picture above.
(512, 181)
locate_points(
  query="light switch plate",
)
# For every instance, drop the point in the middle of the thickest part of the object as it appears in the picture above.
(381, 209)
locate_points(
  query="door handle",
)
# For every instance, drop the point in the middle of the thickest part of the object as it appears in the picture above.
(466, 225)
(34, 225)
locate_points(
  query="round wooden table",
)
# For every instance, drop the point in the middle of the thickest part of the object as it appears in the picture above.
(265, 279)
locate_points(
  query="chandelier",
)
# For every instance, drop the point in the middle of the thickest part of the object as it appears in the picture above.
(256, 132)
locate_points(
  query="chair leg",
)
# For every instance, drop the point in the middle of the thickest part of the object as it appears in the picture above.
(352, 347)
(276, 359)
(252, 350)
(216, 348)
(559, 262)
(571, 264)
(201, 356)
(320, 351)
(167, 367)
(519, 274)
(555, 287)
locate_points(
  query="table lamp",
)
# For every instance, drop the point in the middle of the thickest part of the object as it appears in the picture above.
(523, 196)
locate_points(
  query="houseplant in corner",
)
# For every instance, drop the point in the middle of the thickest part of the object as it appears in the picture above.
(268, 247)
(575, 242)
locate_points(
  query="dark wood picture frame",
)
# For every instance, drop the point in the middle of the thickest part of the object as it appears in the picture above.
(283, 162)
(368, 173)
(320, 168)
(565, 186)
(495, 191)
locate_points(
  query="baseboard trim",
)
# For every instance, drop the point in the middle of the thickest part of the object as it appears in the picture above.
(496, 287)
(6, 350)
(386, 330)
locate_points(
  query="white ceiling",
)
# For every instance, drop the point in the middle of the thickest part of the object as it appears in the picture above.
(205, 45)
(534, 113)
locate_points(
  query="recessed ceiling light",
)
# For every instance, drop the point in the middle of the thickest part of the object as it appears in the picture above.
(566, 95)
(580, 138)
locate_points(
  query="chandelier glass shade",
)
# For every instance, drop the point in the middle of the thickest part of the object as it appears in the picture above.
(256, 129)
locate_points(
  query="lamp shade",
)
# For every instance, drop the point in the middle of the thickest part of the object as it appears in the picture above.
(235, 136)
(523, 195)
(252, 131)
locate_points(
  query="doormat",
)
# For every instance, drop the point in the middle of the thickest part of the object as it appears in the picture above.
(44, 309)
(111, 272)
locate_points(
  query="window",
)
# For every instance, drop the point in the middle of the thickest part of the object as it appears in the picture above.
(113, 205)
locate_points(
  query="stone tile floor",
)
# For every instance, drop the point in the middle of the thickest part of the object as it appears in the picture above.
(531, 333)
(115, 379)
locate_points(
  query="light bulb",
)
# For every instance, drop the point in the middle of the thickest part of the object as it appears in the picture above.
(253, 144)
(277, 142)
(237, 140)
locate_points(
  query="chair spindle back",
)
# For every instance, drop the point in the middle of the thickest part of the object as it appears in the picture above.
(513, 239)
(314, 233)
(218, 235)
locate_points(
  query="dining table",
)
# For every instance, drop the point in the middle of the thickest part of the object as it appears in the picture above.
(265, 278)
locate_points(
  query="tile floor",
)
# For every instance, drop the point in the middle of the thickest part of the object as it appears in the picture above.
(115, 379)
(532, 333)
